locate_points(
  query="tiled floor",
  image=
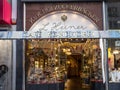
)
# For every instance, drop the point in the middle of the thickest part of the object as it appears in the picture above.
(74, 84)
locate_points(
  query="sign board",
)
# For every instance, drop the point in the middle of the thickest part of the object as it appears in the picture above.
(85, 15)
(59, 34)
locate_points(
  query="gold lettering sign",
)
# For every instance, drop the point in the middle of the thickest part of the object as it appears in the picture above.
(60, 7)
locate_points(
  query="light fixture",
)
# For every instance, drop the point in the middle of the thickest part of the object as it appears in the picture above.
(64, 50)
(56, 60)
(68, 62)
(115, 52)
(68, 53)
(68, 50)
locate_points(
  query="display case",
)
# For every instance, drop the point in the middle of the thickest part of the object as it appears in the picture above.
(91, 64)
(96, 76)
(114, 64)
(97, 65)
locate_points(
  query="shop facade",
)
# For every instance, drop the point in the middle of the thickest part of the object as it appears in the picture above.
(53, 18)
(113, 45)
(51, 34)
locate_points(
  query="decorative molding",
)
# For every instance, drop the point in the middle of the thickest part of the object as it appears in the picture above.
(35, 11)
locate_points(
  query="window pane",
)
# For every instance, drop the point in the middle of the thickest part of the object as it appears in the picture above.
(58, 61)
(114, 15)
(114, 60)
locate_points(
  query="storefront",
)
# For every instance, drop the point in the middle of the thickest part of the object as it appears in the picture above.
(57, 41)
(62, 50)
(113, 46)
(5, 47)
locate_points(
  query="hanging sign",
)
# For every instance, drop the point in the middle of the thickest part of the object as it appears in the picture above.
(48, 34)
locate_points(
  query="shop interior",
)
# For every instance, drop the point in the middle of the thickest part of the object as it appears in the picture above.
(49, 61)
(114, 60)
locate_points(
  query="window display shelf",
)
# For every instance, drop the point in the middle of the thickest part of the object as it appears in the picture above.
(97, 65)
(45, 65)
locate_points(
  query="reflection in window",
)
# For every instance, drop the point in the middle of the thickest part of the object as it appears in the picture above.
(114, 15)
(114, 60)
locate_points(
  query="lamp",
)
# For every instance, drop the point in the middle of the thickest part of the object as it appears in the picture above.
(115, 52)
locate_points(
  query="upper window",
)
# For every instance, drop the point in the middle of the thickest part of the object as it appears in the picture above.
(114, 15)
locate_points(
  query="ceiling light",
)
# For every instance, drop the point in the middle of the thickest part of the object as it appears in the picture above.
(115, 52)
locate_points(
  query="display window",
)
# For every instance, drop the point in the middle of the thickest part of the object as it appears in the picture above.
(57, 60)
(114, 60)
(59, 55)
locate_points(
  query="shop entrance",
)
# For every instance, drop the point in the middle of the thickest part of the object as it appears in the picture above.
(60, 56)
(63, 64)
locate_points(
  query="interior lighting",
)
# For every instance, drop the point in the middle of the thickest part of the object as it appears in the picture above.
(65, 39)
(56, 68)
(74, 16)
(68, 50)
(91, 26)
(64, 50)
(68, 62)
(84, 55)
(68, 53)
(76, 39)
(56, 60)
(36, 64)
(54, 16)
(115, 52)
(83, 20)
(55, 48)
